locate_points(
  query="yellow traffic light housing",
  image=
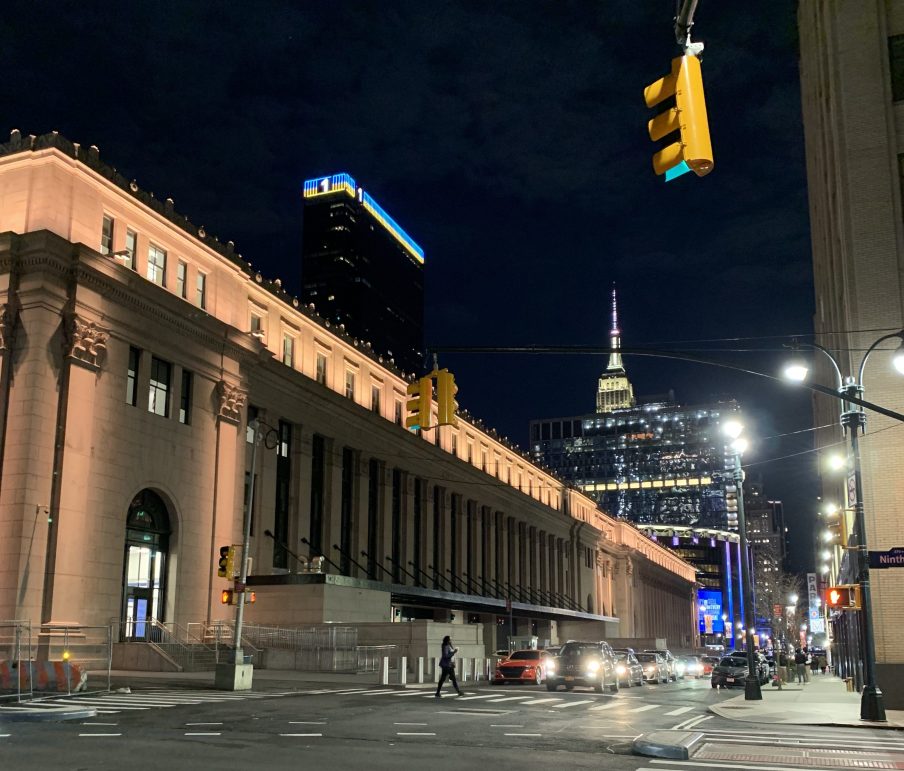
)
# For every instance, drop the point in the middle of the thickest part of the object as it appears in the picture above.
(226, 564)
(445, 398)
(418, 405)
(693, 149)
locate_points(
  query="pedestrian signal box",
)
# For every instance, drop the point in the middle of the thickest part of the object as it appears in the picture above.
(845, 597)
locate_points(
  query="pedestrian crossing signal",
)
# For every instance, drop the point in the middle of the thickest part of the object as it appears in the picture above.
(845, 597)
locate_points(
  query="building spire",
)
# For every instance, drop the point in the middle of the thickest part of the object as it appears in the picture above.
(615, 359)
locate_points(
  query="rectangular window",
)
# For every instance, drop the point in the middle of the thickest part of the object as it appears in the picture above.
(201, 290)
(185, 397)
(159, 391)
(156, 265)
(318, 465)
(131, 249)
(346, 511)
(181, 277)
(288, 350)
(398, 413)
(283, 485)
(249, 429)
(375, 398)
(132, 376)
(106, 235)
(418, 530)
(437, 538)
(349, 384)
(321, 369)
(896, 66)
(453, 541)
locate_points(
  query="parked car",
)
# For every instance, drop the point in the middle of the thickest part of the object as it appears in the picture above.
(670, 661)
(553, 650)
(587, 664)
(628, 669)
(694, 666)
(711, 661)
(731, 671)
(655, 668)
(527, 666)
(763, 668)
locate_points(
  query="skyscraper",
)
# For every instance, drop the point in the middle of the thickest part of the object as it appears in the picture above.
(614, 391)
(361, 270)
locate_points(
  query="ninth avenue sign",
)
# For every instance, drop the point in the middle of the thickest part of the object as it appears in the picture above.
(893, 558)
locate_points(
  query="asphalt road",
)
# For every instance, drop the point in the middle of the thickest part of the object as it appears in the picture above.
(509, 727)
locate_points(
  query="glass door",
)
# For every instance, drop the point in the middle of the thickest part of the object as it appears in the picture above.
(144, 567)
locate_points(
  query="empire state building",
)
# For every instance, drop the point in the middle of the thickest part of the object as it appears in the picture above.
(614, 391)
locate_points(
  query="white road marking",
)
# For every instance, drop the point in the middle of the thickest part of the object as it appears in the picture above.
(610, 705)
(568, 704)
(696, 721)
(203, 733)
(414, 733)
(100, 734)
(5, 736)
(107, 724)
(721, 765)
(307, 722)
(542, 701)
(508, 698)
(644, 708)
(679, 711)
(402, 693)
(301, 734)
(203, 724)
(534, 735)
(502, 725)
(850, 744)
(409, 724)
(471, 698)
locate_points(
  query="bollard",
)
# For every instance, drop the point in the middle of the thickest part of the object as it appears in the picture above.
(478, 666)
(465, 670)
(435, 669)
(420, 670)
(384, 671)
(403, 670)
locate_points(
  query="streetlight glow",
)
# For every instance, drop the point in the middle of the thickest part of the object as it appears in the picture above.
(837, 462)
(827, 555)
(898, 358)
(740, 445)
(794, 598)
(732, 428)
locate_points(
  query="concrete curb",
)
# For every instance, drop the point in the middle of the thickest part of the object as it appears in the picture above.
(47, 715)
(674, 745)
(786, 720)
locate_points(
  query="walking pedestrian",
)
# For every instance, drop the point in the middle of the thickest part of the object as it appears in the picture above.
(814, 662)
(447, 665)
(823, 662)
(800, 659)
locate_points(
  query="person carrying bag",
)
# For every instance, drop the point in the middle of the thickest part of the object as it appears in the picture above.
(447, 665)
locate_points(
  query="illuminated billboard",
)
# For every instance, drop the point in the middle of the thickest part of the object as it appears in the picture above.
(709, 611)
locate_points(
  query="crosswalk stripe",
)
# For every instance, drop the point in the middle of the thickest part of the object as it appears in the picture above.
(679, 711)
(403, 693)
(542, 701)
(484, 696)
(644, 708)
(508, 698)
(610, 705)
(568, 704)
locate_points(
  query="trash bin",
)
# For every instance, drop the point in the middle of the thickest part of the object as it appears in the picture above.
(849, 683)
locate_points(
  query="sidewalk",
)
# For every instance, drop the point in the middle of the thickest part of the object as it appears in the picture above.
(822, 701)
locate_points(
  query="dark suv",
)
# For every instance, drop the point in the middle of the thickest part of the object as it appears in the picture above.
(586, 664)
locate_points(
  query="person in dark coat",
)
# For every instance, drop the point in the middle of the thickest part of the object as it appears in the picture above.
(447, 665)
(800, 660)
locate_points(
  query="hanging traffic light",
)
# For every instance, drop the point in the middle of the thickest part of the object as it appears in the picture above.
(844, 597)
(226, 565)
(445, 398)
(421, 393)
(693, 149)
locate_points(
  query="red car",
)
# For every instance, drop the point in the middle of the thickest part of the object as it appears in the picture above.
(527, 666)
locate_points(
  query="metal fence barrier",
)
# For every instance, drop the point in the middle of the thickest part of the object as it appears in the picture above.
(54, 659)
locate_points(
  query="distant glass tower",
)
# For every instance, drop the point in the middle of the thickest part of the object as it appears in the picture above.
(360, 269)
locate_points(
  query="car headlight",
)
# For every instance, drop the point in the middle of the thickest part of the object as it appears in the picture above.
(620, 669)
(550, 667)
(651, 670)
(593, 666)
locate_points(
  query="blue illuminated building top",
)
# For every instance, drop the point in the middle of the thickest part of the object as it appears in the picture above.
(338, 183)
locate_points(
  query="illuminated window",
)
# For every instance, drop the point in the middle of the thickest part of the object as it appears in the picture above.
(185, 398)
(106, 235)
(156, 265)
(320, 375)
(375, 398)
(131, 248)
(398, 413)
(201, 290)
(349, 384)
(181, 273)
(288, 350)
(159, 391)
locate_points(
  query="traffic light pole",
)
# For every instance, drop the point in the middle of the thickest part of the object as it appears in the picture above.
(246, 544)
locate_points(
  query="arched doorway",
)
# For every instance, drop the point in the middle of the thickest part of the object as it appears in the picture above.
(144, 579)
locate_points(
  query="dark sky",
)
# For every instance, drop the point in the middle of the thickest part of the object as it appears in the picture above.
(509, 139)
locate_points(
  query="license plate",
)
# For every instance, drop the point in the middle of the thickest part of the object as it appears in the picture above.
(568, 679)
(729, 679)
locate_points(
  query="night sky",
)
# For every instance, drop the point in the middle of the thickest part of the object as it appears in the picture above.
(509, 140)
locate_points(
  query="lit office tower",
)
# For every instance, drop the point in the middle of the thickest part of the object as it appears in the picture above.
(360, 269)
(614, 391)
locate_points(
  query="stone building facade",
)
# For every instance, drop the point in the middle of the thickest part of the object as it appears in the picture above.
(135, 351)
(852, 95)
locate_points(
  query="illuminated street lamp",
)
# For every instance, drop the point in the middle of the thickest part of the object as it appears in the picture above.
(734, 429)
(853, 419)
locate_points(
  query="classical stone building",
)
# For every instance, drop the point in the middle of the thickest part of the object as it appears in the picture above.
(136, 349)
(852, 98)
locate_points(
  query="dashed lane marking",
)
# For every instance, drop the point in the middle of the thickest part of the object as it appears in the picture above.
(543, 701)
(305, 735)
(532, 735)
(86, 735)
(508, 698)
(203, 733)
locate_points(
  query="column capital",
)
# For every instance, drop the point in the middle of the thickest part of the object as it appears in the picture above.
(231, 400)
(7, 325)
(85, 342)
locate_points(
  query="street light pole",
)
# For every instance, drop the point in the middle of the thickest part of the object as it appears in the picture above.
(246, 544)
(752, 690)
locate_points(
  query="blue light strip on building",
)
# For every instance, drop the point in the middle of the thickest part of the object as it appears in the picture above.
(390, 224)
(344, 182)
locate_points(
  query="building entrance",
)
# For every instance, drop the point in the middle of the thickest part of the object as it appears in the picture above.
(144, 581)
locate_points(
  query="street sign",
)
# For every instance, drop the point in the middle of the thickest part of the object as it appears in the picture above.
(893, 558)
(851, 490)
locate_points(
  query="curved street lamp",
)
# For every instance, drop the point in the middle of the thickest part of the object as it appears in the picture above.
(733, 429)
(853, 419)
